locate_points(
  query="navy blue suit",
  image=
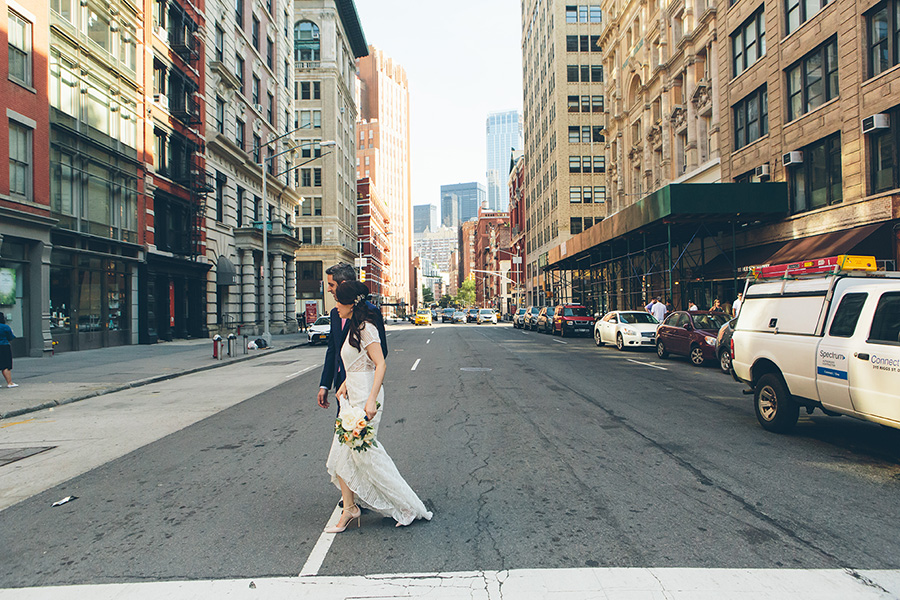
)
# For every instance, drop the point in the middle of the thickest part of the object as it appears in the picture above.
(333, 374)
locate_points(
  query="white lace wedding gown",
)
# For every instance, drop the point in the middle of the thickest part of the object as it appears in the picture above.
(371, 474)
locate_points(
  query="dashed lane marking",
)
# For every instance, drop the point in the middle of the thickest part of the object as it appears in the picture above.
(306, 370)
(416, 364)
(637, 362)
(560, 342)
(320, 550)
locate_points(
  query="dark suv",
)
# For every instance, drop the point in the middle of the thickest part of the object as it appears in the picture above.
(572, 319)
(545, 320)
(529, 319)
(472, 315)
(691, 334)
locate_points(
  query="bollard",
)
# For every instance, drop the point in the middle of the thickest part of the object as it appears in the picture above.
(246, 341)
(232, 341)
(217, 351)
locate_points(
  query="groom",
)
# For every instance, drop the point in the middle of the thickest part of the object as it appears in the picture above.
(333, 373)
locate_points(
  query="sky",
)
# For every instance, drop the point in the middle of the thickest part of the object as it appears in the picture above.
(463, 60)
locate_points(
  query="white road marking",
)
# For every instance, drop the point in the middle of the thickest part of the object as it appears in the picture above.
(306, 370)
(601, 582)
(320, 550)
(637, 362)
(560, 342)
(428, 341)
(388, 334)
(416, 364)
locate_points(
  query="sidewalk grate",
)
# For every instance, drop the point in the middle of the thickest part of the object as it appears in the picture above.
(11, 455)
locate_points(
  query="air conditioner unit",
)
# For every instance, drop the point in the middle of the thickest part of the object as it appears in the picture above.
(792, 158)
(258, 108)
(762, 171)
(162, 100)
(879, 121)
(315, 35)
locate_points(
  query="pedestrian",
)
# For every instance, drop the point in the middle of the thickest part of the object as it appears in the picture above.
(333, 370)
(669, 306)
(6, 336)
(658, 309)
(716, 306)
(367, 476)
(649, 307)
(691, 306)
(736, 306)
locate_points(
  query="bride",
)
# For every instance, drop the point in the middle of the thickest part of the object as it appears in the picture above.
(368, 477)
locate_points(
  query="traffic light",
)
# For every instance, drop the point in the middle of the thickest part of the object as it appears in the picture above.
(362, 275)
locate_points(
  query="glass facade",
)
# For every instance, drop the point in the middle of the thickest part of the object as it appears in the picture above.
(504, 137)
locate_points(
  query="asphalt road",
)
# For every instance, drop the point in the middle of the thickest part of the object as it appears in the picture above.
(533, 452)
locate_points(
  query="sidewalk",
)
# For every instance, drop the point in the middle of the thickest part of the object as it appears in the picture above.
(72, 376)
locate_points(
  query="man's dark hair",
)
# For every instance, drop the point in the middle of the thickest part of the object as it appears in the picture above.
(341, 272)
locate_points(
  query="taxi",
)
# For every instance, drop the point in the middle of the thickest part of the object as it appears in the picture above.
(423, 316)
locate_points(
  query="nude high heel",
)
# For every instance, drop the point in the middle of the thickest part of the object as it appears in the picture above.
(355, 513)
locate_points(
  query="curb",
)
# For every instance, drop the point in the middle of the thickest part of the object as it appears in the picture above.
(139, 383)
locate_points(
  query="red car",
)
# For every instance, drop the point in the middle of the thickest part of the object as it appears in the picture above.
(572, 319)
(690, 333)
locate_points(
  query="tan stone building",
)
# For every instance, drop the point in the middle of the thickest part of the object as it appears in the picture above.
(565, 148)
(383, 156)
(812, 98)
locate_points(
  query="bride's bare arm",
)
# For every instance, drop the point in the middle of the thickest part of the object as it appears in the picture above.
(377, 357)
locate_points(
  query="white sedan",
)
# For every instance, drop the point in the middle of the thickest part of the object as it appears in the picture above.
(626, 329)
(487, 315)
(319, 331)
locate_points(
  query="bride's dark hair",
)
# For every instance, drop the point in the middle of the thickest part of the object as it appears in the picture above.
(355, 293)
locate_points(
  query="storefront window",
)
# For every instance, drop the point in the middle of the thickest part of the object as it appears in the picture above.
(13, 299)
(89, 296)
(117, 299)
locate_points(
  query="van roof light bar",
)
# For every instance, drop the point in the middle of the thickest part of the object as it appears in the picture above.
(832, 264)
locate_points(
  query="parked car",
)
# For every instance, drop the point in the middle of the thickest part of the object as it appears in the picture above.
(519, 319)
(472, 315)
(691, 334)
(459, 316)
(626, 329)
(571, 319)
(529, 321)
(487, 315)
(319, 331)
(723, 345)
(423, 316)
(545, 320)
(447, 315)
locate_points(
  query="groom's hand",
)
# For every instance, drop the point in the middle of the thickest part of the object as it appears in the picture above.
(323, 398)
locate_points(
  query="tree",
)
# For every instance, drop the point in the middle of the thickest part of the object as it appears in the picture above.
(445, 301)
(466, 294)
(427, 295)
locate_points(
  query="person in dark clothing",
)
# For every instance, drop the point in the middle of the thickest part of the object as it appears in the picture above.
(6, 336)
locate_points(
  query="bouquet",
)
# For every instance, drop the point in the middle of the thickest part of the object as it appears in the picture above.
(353, 429)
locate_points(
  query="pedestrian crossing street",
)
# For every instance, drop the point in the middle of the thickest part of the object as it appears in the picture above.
(519, 584)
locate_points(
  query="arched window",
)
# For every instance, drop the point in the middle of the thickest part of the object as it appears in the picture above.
(634, 93)
(306, 41)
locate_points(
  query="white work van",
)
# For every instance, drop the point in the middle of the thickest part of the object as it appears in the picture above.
(823, 340)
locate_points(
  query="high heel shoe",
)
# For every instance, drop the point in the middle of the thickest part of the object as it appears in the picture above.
(354, 513)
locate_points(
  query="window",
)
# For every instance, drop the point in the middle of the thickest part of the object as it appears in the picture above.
(63, 8)
(306, 41)
(305, 90)
(220, 115)
(886, 322)
(220, 196)
(239, 70)
(220, 44)
(813, 80)
(317, 177)
(317, 207)
(883, 149)
(599, 194)
(306, 177)
(98, 29)
(572, 73)
(575, 195)
(160, 150)
(599, 164)
(574, 164)
(596, 15)
(270, 108)
(317, 93)
(596, 74)
(799, 11)
(254, 90)
(270, 161)
(20, 175)
(240, 206)
(19, 49)
(571, 43)
(587, 195)
(748, 43)
(571, 14)
(257, 144)
(817, 181)
(751, 118)
(575, 225)
(847, 315)
(883, 24)
(239, 134)
(573, 104)
(239, 12)
(287, 74)
(254, 35)
(596, 104)
(270, 53)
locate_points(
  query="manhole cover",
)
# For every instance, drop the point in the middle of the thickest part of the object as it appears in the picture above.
(11, 455)
(276, 363)
(475, 369)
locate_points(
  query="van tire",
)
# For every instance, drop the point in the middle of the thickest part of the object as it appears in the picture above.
(775, 409)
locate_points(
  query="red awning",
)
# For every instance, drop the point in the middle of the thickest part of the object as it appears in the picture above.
(822, 246)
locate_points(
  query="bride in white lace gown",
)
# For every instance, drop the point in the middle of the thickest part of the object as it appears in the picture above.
(370, 476)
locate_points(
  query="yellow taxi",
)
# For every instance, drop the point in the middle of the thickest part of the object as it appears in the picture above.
(423, 316)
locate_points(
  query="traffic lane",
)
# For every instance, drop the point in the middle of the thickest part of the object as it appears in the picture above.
(835, 476)
(525, 472)
(242, 493)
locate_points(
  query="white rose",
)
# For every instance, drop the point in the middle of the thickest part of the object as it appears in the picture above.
(350, 416)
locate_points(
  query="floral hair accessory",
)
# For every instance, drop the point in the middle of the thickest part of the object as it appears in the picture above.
(361, 298)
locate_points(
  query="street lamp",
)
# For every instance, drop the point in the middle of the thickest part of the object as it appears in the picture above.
(262, 163)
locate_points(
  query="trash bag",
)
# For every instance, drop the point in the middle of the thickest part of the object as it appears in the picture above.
(251, 345)
(261, 343)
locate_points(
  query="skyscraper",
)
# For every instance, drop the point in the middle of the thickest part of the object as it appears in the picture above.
(383, 156)
(504, 137)
(425, 216)
(460, 202)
